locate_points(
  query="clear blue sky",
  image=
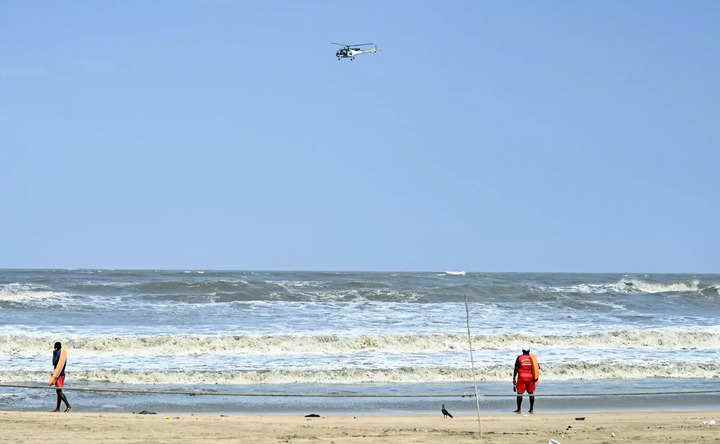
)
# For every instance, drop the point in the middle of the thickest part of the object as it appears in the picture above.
(527, 136)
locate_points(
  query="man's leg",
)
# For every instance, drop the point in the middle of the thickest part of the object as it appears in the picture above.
(58, 393)
(67, 404)
(520, 390)
(532, 402)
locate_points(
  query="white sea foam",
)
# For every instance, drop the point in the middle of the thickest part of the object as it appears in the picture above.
(551, 372)
(23, 293)
(633, 286)
(312, 291)
(112, 284)
(183, 345)
(296, 284)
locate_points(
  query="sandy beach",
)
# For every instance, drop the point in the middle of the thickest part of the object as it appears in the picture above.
(636, 427)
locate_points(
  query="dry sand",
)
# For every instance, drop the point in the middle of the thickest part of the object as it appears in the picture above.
(626, 427)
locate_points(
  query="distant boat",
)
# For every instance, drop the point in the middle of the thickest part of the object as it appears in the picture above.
(455, 273)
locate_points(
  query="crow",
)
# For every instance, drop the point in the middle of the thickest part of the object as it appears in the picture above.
(445, 412)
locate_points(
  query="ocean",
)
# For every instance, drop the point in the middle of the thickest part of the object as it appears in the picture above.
(353, 333)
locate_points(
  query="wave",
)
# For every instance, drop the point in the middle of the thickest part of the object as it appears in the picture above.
(29, 293)
(493, 373)
(297, 284)
(168, 287)
(222, 290)
(626, 286)
(185, 345)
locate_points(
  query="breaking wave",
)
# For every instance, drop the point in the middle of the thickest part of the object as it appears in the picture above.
(629, 286)
(493, 373)
(246, 290)
(176, 345)
(27, 293)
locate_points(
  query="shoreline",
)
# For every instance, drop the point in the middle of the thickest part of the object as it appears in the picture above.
(372, 399)
(638, 427)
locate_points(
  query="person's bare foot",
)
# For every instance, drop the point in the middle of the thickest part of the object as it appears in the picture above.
(67, 410)
(517, 411)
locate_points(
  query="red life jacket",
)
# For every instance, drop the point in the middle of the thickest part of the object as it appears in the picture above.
(525, 369)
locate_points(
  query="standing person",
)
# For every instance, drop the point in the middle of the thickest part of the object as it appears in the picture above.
(525, 376)
(57, 378)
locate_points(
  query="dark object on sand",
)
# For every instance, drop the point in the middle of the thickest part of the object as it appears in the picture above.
(580, 418)
(312, 415)
(145, 412)
(445, 412)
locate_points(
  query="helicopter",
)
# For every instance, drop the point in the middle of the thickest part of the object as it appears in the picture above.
(352, 50)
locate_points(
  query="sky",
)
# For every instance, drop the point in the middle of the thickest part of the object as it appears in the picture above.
(504, 136)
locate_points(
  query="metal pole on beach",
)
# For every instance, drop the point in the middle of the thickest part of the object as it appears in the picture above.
(472, 366)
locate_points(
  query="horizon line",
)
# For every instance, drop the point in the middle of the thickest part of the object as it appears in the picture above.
(349, 270)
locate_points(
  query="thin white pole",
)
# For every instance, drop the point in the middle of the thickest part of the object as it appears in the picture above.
(472, 366)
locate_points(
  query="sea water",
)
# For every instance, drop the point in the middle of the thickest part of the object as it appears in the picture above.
(352, 332)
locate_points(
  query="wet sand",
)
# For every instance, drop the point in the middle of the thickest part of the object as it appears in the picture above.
(635, 427)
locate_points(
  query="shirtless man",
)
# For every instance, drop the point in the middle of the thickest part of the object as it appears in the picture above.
(57, 378)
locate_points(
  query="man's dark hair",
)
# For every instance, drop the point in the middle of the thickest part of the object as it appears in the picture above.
(58, 345)
(526, 352)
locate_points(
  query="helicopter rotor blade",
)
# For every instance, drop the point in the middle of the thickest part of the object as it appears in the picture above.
(352, 44)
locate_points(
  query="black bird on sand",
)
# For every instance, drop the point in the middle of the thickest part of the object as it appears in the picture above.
(445, 412)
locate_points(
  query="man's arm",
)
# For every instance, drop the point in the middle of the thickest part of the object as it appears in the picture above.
(515, 370)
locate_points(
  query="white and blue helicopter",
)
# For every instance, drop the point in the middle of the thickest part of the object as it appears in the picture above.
(352, 50)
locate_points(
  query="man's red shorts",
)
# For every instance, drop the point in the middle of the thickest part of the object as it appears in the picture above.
(60, 381)
(525, 385)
